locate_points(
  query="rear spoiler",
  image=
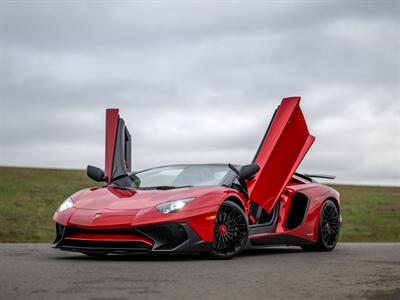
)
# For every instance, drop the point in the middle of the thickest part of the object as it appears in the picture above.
(311, 176)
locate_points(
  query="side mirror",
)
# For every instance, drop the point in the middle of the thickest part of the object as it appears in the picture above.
(248, 172)
(95, 173)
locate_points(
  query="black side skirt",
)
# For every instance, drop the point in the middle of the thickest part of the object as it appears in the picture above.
(281, 239)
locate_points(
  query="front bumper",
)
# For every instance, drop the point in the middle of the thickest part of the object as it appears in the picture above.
(160, 238)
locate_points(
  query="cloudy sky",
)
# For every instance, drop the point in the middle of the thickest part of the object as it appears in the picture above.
(198, 82)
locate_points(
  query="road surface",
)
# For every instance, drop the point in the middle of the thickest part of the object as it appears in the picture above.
(351, 271)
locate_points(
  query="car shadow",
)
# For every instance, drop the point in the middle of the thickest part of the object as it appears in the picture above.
(178, 257)
(133, 257)
(271, 251)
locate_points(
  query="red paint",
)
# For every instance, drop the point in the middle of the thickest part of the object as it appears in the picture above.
(282, 150)
(110, 238)
(112, 118)
(120, 211)
(317, 194)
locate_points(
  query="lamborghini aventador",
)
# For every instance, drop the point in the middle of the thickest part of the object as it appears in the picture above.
(216, 209)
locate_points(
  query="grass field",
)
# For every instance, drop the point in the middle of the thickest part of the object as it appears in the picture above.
(28, 198)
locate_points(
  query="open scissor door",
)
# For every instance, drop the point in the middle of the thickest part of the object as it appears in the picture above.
(118, 146)
(283, 147)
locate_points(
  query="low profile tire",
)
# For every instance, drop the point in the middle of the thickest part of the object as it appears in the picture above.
(231, 231)
(328, 229)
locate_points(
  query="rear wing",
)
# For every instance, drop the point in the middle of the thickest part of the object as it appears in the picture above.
(324, 176)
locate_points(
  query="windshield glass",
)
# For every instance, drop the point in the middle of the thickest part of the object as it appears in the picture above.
(178, 176)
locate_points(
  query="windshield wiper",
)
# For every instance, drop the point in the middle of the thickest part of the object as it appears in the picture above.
(159, 187)
(169, 187)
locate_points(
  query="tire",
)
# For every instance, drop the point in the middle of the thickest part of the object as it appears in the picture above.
(328, 229)
(231, 231)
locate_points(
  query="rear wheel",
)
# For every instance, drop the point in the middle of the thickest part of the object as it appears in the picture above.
(328, 229)
(230, 231)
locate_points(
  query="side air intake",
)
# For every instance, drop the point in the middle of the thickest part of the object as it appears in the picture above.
(297, 211)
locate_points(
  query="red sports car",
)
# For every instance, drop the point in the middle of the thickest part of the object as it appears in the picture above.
(218, 209)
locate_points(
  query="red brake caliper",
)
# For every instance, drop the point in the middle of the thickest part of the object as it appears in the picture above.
(222, 229)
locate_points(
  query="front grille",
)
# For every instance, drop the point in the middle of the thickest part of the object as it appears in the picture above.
(77, 230)
(102, 245)
(102, 239)
(165, 237)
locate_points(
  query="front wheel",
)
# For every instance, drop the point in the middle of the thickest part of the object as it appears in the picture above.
(328, 229)
(230, 232)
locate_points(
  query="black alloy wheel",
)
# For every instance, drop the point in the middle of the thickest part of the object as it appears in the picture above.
(328, 230)
(230, 232)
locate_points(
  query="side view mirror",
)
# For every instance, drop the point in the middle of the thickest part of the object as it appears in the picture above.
(95, 173)
(248, 172)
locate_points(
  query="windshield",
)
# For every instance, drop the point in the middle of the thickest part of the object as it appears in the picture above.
(179, 176)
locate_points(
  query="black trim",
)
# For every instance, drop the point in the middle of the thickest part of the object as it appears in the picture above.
(162, 243)
(104, 246)
(96, 246)
(188, 242)
(281, 239)
(128, 150)
(297, 211)
(304, 177)
(166, 236)
(60, 229)
(266, 227)
(122, 152)
(324, 176)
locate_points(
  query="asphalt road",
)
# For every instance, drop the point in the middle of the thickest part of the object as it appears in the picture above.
(356, 271)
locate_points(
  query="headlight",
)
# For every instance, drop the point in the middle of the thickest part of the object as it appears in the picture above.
(173, 206)
(65, 205)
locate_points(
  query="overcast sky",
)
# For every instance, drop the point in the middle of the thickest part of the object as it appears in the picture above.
(199, 82)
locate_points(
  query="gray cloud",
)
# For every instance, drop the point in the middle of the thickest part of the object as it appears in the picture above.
(198, 82)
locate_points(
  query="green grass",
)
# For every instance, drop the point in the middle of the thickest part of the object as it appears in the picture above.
(28, 198)
(370, 213)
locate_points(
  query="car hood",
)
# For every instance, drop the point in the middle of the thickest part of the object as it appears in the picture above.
(116, 199)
